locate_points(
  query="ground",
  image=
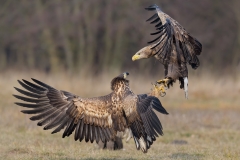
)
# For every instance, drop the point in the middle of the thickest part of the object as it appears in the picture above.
(206, 126)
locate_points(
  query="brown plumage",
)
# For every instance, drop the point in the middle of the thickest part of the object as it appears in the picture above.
(94, 119)
(174, 48)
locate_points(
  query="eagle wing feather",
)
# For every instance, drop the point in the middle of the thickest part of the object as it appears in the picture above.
(142, 120)
(170, 32)
(94, 119)
(91, 118)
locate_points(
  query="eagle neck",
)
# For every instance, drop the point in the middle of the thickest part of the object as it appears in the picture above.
(122, 89)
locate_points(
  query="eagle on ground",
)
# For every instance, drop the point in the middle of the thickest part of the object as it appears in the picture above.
(94, 119)
(174, 47)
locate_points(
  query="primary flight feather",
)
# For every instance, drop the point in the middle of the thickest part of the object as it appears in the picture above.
(94, 119)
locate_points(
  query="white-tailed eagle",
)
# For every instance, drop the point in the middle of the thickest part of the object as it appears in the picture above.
(174, 47)
(94, 119)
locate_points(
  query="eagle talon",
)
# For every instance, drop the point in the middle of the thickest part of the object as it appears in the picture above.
(167, 82)
(160, 90)
(162, 94)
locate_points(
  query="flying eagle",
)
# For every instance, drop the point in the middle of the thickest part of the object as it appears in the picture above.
(94, 119)
(174, 48)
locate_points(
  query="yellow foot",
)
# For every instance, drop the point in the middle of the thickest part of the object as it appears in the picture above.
(159, 90)
(166, 82)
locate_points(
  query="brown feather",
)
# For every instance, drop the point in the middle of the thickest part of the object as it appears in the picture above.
(92, 119)
(174, 47)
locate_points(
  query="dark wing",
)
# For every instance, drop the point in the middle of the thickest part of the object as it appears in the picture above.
(170, 33)
(142, 120)
(90, 118)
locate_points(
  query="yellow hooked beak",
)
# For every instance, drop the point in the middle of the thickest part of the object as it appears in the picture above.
(135, 57)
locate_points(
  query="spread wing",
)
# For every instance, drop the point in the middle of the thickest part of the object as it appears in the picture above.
(91, 118)
(170, 33)
(142, 120)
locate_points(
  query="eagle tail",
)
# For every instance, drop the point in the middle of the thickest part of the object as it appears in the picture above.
(141, 139)
(142, 143)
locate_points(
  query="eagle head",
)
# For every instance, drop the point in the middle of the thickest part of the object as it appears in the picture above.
(120, 81)
(125, 74)
(143, 53)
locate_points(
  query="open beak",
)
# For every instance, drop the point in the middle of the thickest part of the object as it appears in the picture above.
(135, 57)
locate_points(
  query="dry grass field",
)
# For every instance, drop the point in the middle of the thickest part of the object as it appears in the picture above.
(206, 126)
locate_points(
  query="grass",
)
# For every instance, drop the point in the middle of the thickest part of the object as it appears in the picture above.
(206, 126)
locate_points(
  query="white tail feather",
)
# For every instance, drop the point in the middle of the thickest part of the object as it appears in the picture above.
(186, 87)
(143, 145)
(136, 143)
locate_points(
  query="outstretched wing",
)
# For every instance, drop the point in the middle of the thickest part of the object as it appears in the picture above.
(91, 118)
(142, 120)
(171, 33)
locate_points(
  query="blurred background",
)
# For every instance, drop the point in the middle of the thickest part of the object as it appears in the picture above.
(56, 36)
(80, 45)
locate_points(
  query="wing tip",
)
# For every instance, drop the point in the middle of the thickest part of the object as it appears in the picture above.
(39, 124)
(157, 105)
(26, 112)
(25, 80)
(16, 96)
(32, 119)
(34, 79)
(152, 7)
